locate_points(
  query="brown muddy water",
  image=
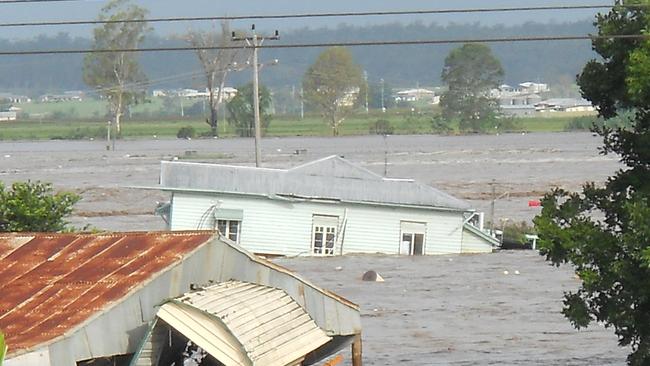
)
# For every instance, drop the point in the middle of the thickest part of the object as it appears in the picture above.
(520, 167)
(463, 310)
(448, 310)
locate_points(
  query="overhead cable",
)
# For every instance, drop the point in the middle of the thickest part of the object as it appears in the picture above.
(36, 1)
(336, 44)
(312, 15)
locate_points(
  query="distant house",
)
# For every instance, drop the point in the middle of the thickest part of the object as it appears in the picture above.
(533, 88)
(526, 88)
(227, 94)
(327, 207)
(8, 116)
(94, 300)
(14, 99)
(67, 96)
(159, 93)
(520, 99)
(518, 110)
(349, 98)
(565, 105)
(414, 95)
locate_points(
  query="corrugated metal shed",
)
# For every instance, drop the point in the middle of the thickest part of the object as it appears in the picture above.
(53, 283)
(331, 178)
(241, 323)
(73, 297)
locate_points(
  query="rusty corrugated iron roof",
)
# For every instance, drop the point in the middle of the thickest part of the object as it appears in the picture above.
(53, 283)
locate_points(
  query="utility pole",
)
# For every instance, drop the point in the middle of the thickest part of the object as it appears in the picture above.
(385, 156)
(365, 78)
(494, 197)
(302, 103)
(255, 41)
(108, 136)
(383, 107)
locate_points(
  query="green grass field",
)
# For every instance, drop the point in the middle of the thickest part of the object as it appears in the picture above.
(87, 119)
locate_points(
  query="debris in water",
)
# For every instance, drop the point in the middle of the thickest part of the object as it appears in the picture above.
(372, 276)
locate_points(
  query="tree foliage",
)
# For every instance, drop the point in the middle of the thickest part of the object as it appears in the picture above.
(604, 231)
(241, 114)
(117, 75)
(217, 61)
(470, 72)
(333, 85)
(34, 207)
(3, 348)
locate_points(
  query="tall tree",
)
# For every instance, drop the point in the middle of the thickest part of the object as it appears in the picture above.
(241, 114)
(217, 60)
(333, 85)
(470, 72)
(604, 232)
(117, 75)
(33, 206)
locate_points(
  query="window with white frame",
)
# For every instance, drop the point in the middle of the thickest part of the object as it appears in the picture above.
(228, 222)
(324, 234)
(412, 238)
(230, 229)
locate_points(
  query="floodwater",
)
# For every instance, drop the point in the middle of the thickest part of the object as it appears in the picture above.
(447, 310)
(463, 310)
(519, 167)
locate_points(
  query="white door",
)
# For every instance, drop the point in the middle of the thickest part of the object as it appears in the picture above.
(412, 239)
(324, 231)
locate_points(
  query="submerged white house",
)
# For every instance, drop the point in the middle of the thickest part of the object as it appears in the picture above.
(326, 207)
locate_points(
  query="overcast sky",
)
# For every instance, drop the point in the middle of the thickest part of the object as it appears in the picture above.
(85, 10)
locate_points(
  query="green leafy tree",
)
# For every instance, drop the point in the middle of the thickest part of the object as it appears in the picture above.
(333, 85)
(117, 75)
(34, 207)
(470, 72)
(240, 110)
(604, 231)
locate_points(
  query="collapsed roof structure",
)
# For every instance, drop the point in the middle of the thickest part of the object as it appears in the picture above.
(82, 299)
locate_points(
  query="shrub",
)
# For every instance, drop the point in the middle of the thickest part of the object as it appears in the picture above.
(585, 123)
(381, 127)
(186, 132)
(440, 125)
(514, 234)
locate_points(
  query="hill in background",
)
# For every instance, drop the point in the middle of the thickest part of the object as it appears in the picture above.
(402, 66)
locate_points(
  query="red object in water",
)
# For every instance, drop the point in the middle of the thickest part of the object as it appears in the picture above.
(534, 203)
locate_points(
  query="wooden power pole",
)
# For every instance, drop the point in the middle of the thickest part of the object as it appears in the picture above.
(255, 41)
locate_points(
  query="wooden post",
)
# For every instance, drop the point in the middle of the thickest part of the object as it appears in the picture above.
(356, 351)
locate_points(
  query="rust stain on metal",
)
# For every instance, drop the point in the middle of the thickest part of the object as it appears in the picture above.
(329, 293)
(52, 283)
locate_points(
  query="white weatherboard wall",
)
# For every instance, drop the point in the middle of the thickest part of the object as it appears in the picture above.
(472, 243)
(285, 228)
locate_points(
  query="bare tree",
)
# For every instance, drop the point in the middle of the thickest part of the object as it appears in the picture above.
(217, 61)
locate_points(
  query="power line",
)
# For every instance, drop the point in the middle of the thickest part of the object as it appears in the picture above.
(336, 44)
(310, 15)
(35, 1)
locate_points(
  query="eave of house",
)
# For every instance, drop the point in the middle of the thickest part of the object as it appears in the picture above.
(298, 198)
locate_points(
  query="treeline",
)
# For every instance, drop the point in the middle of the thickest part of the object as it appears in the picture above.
(399, 66)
